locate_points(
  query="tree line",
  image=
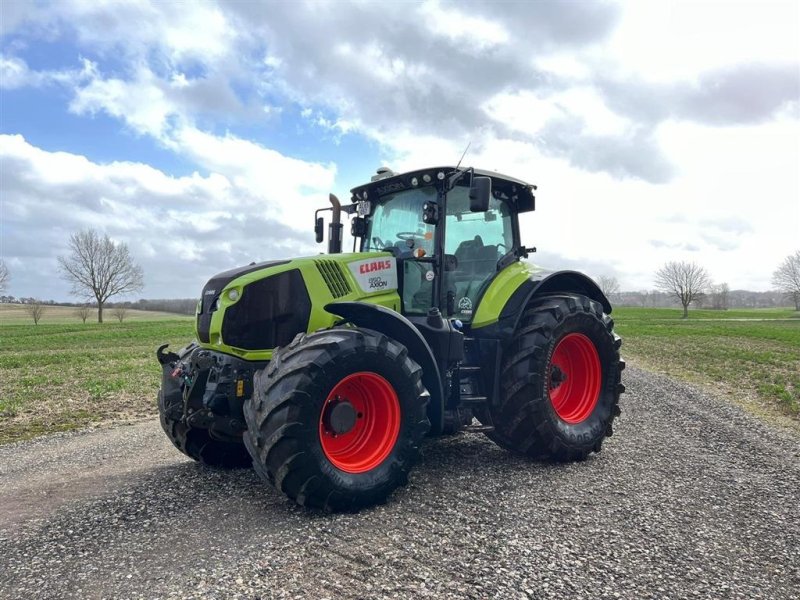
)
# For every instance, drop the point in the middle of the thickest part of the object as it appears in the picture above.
(688, 283)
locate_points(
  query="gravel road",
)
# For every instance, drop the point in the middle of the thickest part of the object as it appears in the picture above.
(690, 498)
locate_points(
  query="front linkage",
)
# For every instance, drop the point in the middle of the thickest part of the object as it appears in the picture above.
(201, 399)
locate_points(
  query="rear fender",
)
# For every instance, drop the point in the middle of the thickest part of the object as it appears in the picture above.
(540, 284)
(397, 327)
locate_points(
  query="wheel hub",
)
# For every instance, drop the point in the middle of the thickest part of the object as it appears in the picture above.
(340, 416)
(557, 377)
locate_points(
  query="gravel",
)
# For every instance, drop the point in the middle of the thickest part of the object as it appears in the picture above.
(691, 498)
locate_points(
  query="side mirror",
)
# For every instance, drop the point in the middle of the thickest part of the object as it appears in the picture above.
(358, 227)
(479, 194)
(319, 228)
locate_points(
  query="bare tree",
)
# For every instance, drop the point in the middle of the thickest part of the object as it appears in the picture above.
(609, 285)
(5, 276)
(35, 309)
(119, 312)
(83, 312)
(787, 278)
(718, 294)
(100, 268)
(684, 280)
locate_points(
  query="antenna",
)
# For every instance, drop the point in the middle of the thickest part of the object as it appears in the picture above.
(463, 155)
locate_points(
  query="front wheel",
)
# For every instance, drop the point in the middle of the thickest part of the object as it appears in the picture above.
(561, 381)
(336, 419)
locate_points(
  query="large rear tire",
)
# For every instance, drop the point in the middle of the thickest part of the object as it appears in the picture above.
(560, 381)
(336, 419)
(196, 443)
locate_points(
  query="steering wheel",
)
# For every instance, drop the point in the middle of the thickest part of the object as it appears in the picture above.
(410, 236)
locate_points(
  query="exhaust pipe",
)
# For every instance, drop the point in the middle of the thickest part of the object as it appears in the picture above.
(335, 228)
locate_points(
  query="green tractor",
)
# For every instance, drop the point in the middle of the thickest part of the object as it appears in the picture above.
(325, 373)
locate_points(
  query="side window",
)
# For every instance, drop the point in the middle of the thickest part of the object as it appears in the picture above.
(477, 240)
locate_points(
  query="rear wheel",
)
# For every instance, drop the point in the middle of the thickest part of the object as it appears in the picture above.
(336, 419)
(561, 381)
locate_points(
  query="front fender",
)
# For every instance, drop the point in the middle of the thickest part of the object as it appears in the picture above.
(397, 327)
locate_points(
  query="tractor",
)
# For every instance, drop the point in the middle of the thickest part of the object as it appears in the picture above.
(326, 373)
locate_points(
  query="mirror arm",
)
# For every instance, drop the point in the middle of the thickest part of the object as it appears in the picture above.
(456, 177)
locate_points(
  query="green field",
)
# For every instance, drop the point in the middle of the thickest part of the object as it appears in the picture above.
(15, 313)
(63, 374)
(60, 376)
(751, 356)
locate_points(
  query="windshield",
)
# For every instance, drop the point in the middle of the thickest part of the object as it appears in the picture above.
(397, 221)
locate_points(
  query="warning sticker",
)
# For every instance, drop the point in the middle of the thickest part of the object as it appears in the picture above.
(375, 274)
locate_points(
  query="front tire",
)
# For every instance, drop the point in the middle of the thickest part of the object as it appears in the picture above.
(336, 419)
(561, 381)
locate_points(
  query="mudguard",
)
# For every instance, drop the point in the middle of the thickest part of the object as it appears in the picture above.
(502, 303)
(396, 326)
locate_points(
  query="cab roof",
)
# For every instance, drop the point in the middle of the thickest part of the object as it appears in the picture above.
(515, 191)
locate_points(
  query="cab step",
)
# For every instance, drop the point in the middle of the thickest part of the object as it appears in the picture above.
(468, 401)
(478, 429)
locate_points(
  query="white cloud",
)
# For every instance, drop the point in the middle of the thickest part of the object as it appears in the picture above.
(667, 41)
(289, 187)
(140, 102)
(182, 229)
(476, 34)
(522, 111)
(15, 73)
(283, 184)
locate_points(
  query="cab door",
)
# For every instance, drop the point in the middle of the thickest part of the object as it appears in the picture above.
(474, 241)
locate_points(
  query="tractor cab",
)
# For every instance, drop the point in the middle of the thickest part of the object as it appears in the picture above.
(451, 230)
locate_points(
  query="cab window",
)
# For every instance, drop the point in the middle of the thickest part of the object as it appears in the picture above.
(478, 241)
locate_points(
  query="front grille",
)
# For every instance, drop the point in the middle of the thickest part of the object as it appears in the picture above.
(334, 278)
(270, 313)
(212, 289)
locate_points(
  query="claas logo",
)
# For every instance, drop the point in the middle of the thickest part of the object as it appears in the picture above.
(378, 265)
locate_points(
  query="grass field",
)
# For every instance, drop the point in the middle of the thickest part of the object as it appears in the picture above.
(750, 356)
(15, 313)
(63, 374)
(57, 376)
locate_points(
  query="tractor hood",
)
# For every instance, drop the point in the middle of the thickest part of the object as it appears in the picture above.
(249, 311)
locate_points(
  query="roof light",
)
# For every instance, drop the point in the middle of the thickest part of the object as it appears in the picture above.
(426, 178)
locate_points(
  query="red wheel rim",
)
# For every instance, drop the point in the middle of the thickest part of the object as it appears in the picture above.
(575, 377)
(376, 427)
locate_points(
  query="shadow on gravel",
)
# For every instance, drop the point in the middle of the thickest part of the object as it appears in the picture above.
(464, 456)
(465, 472)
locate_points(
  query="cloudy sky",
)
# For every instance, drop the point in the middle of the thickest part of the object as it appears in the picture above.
(204, 134)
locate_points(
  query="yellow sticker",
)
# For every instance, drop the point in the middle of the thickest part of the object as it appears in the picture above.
(240, 388)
